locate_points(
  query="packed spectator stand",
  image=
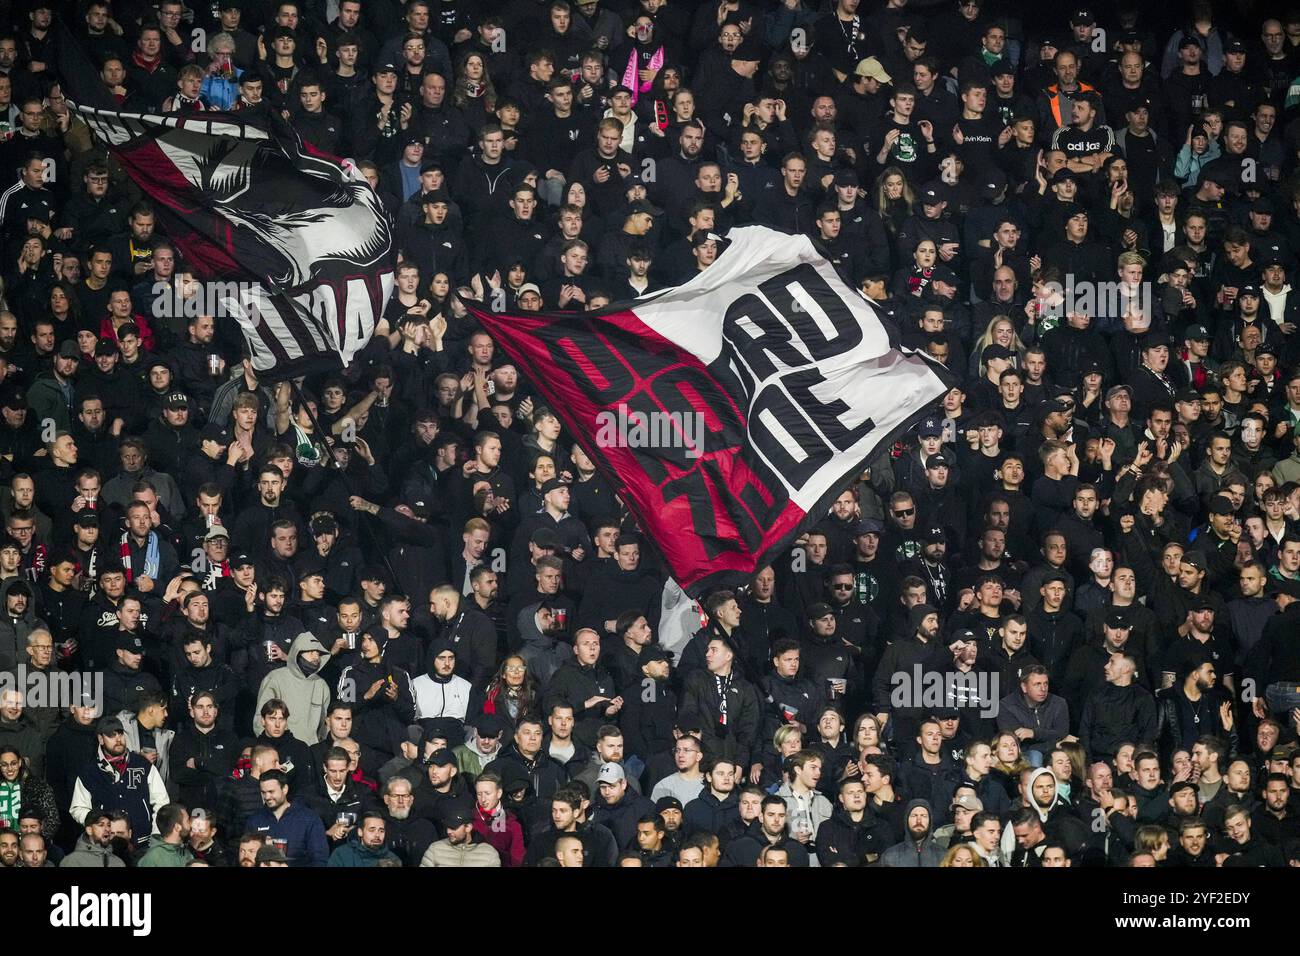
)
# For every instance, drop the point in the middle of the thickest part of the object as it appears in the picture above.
(440, 640)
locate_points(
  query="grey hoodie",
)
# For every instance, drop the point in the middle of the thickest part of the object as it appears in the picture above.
(88, 854)
(308, 696)
(542, 652)
(910, 852)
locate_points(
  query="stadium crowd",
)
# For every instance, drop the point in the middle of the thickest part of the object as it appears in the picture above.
(1054, 625)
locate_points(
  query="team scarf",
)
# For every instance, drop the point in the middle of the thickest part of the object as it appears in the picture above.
(216, 571)
(630, 75)
(37, 567)
(151, 560)
(11, 804)
(723, 685)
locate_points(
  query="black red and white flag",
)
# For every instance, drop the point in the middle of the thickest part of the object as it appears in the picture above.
(731, 410)
(289, 241)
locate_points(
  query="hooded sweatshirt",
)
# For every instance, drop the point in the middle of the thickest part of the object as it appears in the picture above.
(438, 696)
(307, 695)
(89, 854)
(913, 852)
(542, 652)
(1058, 822)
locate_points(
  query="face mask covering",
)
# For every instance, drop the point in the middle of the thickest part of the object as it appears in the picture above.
(306, 666)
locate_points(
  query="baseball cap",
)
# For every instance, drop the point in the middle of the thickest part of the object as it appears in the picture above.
(1116, 389)
(442, 757)
(105, 347)
(176, 400)
(324, 524)
(995, 180)
(455, 816)
(873, 68)
(1221, 505)
(846, 177)
(930, 427)
(867, 526)
(1082, 17)
(943, 274)
(1235, 46)
(1062, 174)
(216, 531)
(108, 726)
(14, 399)
(996, 351)
(1118, 618)
(69, 350)
(1188, 40)
(1197, 333)
(937, 461)
(1002, 67)
(968, 801)
(528, 287)
(819, 610)
(126, 641)
(610, 773)
(385, 68)
(242, 559)
(1188, 396)
(1194, 559)
(653, 652)
(551, 484)
(935, 535)
(934, 192)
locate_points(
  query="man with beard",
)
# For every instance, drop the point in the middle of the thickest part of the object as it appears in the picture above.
(621, 655)
(1192, 707)
(931, 566)
(95, 845)
(118, 779)
(650, 709)
(900, 658)
(292, 825)
(406, 835)
(439, 691)
(171, 846)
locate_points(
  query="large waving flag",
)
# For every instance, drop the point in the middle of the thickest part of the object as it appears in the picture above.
(730, 409)
(291, 242)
